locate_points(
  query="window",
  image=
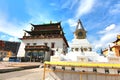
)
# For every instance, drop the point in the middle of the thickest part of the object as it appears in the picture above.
(72, 49)
(76, 49)
(52, 53)
(90, 49)
(28, 44)
(52, 45)
(85, 49)
(5, 54)
(46, 44)
(110, 49)
(34, 44)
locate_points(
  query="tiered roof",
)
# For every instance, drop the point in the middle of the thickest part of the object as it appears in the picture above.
(51, 30)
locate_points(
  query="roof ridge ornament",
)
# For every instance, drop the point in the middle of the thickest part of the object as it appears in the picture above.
(118, 36)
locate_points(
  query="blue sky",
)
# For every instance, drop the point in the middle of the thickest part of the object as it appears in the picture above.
(100, 18)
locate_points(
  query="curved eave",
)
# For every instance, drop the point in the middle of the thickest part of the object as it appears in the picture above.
(65, 41)
(38, 25)
(42, 31)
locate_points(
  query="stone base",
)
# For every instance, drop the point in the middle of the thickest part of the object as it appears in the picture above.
(54, 58)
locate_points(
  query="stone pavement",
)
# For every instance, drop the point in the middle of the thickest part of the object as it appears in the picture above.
(28, 74)
(13, 66)
(24, 74)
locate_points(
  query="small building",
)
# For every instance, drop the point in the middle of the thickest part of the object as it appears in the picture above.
(8, 49)
(43, 40)
(114, 48)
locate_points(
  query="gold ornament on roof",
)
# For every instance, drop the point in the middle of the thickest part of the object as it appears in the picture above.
(118, 36)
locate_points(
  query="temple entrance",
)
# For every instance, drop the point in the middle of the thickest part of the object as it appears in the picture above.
(35, 56)
(38, 53)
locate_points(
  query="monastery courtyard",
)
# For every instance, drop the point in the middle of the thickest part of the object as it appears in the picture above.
(10, 65)
(28, 74)
(25, 74)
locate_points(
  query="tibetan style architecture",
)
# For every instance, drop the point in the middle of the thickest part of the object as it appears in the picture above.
(43, 40)
(80, 42)
(114, 49)
(81, 63)
(80, 46)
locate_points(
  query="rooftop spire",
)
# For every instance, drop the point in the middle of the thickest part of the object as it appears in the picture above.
(79, 25)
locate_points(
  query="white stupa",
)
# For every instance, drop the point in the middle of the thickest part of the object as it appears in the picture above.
(81, 49)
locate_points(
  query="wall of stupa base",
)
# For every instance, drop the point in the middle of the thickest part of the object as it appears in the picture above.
(72, 70)
(83, 74)
(113, 59)
(59, 58)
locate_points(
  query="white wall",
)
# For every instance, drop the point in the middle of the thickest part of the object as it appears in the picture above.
(42, 41)
(21, 51)
(58, 43)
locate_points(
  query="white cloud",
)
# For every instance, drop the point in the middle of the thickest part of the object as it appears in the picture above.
(72, 24)
(108, 35)
(85, 7)
(107, 29)
(105, 40)
(2, 36)
(9, 27)
(115, 9)
(111, 27)
(66, 4)
(13, 39)
(69, 3)
(15, 29)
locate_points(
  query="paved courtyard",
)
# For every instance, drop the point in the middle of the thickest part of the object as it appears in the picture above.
(29, 74)
(7, 65)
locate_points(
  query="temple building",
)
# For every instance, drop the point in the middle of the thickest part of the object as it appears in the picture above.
(81, 63)
(43, 40)
(114, 49)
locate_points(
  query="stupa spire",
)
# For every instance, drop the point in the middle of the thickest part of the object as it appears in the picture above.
(79, 25)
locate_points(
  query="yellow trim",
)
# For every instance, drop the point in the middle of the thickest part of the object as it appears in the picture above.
(84, 64)
(44, 72)
(80, 64)
(80, 76)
